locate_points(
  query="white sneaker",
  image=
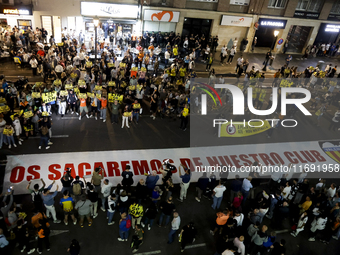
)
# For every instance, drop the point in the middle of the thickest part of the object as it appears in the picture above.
(95, 118)
(112, 222)
(154, 118)
(128, 126)
(48, 147)
(311, 239)
(94, 216)
(72, 112)
(19, 142)
(15, 145)
(100, 118)
(75, 222)
(101, 208)
(77, 113)
(66, 223)
(142, 224)
(39, 147)
(87, 116)
(79, 117)
(104, 120)
(149, 228)
(197, 199)
(120, 239)
(56, 221)
(31, 251)
(9, 146)
(23, 248)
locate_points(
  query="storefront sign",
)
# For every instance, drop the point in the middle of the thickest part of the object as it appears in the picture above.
(237, 21)
(13, 10)
(109, 10)
(240, 2)
(334, 17)
(306, 15)
(164, 16)
(332, 28)
(278, 23)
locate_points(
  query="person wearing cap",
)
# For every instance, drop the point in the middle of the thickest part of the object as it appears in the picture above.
(48, 199)
(185, 182)
(106, 191)
(83, 206)
(127, 176)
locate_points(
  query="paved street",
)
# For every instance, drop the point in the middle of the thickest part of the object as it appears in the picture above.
(72, 135)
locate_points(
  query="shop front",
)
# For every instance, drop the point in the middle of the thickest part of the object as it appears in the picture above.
(232, 27)
(117, 22)
(298, 37)
(265, 32)
(160, 20)
(19, 16)
(328, 33)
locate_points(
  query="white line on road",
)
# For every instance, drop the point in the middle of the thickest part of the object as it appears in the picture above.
(69, 118)
(53, 136)
(282, 231)
(196, 245)
(150, 252)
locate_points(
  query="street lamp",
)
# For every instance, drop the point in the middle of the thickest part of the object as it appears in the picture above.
(276, 33)
(96, 23)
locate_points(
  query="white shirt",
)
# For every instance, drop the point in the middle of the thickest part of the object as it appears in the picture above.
(219, 190)
(33, 63)
(106, 189)
(175, 223)
(232, 52)
(302, 222)
(240, 246)
(167, 55)
(286, 192)
(331, 192)
(239, 219)
(240, 61)
(228, 252)
(235, 43)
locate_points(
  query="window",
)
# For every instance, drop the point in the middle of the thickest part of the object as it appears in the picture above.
(336, 8)
(277, 3)
(310, 5)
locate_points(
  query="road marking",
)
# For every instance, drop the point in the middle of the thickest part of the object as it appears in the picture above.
(282, 231)
(69, 118)
(197, 245)
(53, 136)
(150, 252)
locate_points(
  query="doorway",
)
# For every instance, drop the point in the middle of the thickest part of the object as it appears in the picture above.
(297, 37)
(192, 26)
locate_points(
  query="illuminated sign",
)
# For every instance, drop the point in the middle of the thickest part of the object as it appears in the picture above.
(278, 23)
(16, 12)
(332, 28)
(109, 10)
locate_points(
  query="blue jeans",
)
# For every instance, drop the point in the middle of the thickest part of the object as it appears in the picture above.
(167, 219)
(147, 220)
(110, 215)
(136, 116)
(124, 234)
(43, 139)
(171, 235)
(217, 202)
(103, 202)
(9, 139)
(245, 195)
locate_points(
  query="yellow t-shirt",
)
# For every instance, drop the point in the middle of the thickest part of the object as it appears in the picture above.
(185, 112)
(182, 72)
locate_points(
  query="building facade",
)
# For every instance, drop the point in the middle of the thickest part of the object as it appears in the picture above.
(301, 22)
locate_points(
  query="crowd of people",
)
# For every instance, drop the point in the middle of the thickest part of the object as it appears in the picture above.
(241, 210)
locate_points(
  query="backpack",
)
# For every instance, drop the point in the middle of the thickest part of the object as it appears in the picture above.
(44, 130)
(128, 223)
(76, 189)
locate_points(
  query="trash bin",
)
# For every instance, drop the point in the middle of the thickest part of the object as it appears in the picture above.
(321, 65)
